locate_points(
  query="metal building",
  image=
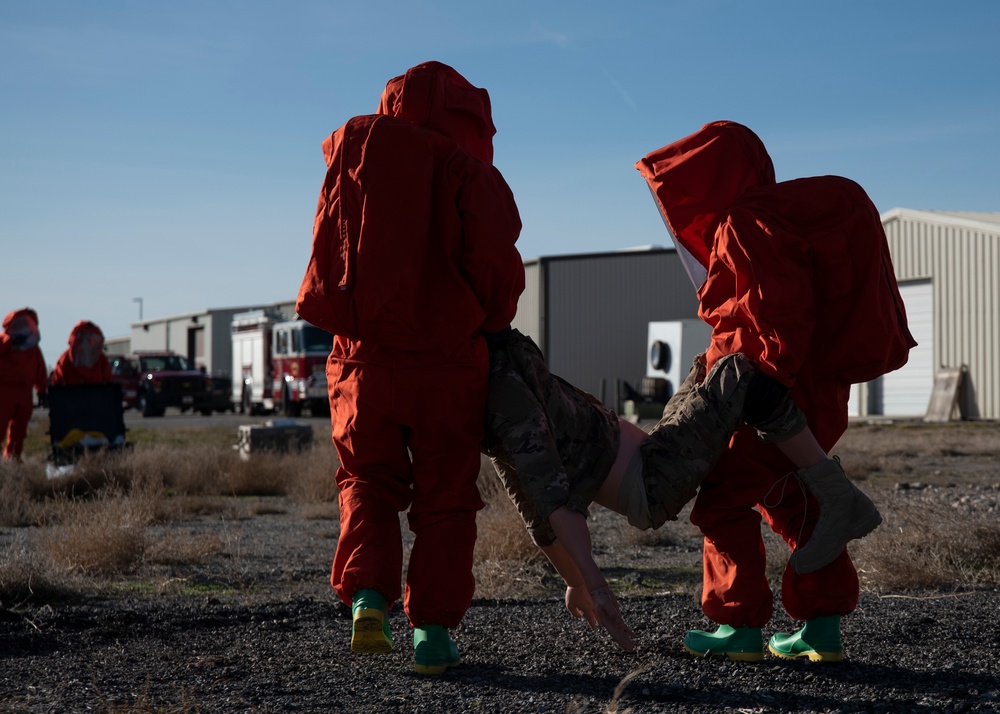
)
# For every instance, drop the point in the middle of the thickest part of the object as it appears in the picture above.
(948, 268)
(203, 337)
(590, 313)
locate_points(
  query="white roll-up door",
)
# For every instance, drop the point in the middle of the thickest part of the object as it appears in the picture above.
(907, 391)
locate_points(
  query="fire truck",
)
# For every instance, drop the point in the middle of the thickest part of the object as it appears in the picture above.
(279, 365)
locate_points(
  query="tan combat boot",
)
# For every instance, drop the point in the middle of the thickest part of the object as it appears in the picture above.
(845, 513)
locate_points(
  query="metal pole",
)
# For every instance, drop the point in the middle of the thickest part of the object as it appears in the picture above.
(139, 300)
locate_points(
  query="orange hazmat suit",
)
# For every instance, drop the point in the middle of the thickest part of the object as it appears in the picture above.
(797, 276)
(84, 362)
(22, 367)
(413, 259)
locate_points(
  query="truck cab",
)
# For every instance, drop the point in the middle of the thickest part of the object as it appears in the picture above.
(299, 354)
(165, 379)
(279, 365)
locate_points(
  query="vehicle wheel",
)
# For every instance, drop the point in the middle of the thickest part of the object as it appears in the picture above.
(145, 405)
(206, 412)
(290, 408)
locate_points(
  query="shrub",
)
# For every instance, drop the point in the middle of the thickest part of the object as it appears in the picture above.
(100, 536)
(927, 544)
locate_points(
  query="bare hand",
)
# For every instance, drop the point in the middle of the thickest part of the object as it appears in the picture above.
(580, 604)
(610, 617)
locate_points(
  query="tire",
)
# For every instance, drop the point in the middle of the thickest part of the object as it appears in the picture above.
(660, 356)
(147, 406)
(288, 407)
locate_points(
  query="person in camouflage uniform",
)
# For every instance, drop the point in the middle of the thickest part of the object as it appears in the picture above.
(557, 449)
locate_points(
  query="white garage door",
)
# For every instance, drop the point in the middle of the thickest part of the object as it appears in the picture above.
(907, 391)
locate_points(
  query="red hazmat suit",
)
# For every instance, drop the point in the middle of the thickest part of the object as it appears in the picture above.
(84, 362)
(797, 275)
(413, 258)
(22, 367)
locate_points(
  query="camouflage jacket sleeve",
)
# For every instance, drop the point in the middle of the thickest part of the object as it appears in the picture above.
(552, 444)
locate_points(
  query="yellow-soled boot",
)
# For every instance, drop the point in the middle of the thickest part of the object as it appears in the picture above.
(370, 632)
(818, 641)
(433, 649)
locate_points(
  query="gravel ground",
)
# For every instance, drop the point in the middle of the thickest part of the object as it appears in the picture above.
(257, 628)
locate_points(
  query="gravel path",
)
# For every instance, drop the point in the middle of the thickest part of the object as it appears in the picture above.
(909, 654)
(257, 629)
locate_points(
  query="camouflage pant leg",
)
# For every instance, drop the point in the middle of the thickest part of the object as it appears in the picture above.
(695, 376)
(692, 435)
(787, 421)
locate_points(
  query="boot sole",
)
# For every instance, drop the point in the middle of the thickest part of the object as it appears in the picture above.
(811, 655)
(434, 668)
(368, 636)
(734, 656)
(867, 526)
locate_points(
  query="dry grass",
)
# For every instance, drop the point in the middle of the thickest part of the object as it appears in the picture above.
(179, 548)
(506, 561)
(929, 544)
(93, 521)
(104, 535)
(502, 535)
(24, 577)
(96, 521)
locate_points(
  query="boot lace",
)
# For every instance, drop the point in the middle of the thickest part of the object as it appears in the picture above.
(784, 484)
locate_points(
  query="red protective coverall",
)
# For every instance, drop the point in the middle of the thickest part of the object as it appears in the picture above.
(799, 278)
(84, 362)
(413, 258)
(20, 370)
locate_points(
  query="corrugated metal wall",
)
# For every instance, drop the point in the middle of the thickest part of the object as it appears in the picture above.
(529, 306)
(962, 261)
(594, 310)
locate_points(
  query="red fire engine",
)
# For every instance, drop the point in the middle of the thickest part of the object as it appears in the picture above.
(279, 365)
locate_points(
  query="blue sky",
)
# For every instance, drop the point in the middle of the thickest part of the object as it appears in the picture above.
(171, 151)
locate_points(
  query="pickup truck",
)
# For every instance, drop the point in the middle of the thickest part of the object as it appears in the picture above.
(153, 381)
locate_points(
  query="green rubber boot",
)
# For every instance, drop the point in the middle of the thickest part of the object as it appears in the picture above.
(818, 641)
(370, 633)
(434, 650)
(740, 644)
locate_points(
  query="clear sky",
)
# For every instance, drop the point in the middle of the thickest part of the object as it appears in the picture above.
(171, 151)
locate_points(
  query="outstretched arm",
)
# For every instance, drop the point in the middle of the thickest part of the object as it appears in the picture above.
(578, 600)
(573, 536)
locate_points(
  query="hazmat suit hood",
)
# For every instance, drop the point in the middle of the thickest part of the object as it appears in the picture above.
(695, 179)
(86, 343)
(22, 327)
(434, 96)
